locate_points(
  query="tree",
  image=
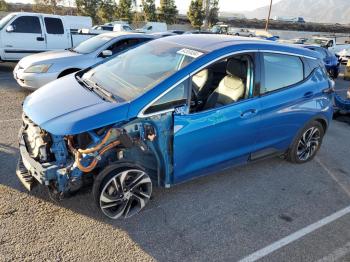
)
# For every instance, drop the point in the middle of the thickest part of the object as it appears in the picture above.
(88, 8)
(167, 11)
(213, 16)
(3, 5)
(196, 13)
(124, 10)
(46, 6)
(149, 10)
(106, 11)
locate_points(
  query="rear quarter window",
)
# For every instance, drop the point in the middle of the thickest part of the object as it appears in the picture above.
(54, 26)
(280, 71)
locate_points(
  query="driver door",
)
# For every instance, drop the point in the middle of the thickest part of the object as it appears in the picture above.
(26, 37)
(215, 138)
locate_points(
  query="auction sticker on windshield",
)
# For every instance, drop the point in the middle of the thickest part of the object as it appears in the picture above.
(189, 52)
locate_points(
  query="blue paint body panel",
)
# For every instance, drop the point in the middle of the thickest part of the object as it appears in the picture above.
(202, 142)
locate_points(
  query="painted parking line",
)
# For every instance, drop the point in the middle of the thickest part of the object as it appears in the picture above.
(295, 236)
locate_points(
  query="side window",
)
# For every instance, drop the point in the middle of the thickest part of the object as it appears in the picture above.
(123, 44)
(127, 28)
(280, 71)
(54, 26)
(223, 83)
(178, 96)
(27, 24)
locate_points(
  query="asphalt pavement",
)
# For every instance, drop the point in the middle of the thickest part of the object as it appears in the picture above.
(269, 210)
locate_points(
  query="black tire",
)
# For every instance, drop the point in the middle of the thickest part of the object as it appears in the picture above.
(236, 34)
(304, 148)
(109, 180)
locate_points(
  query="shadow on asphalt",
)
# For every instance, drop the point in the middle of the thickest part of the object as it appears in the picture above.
(177, 217)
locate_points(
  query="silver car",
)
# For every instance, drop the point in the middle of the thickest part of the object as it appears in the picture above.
(37, 70)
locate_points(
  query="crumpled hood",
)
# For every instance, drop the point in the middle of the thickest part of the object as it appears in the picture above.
(64, 107)
(46, 57)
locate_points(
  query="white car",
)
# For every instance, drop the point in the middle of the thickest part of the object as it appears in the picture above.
(344, 56)
(23, 34)
(37, 70)
(241, 32)
(153, 27)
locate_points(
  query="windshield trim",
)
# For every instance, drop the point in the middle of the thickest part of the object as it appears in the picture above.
(10, 17)
(86, 53)
(142, 114)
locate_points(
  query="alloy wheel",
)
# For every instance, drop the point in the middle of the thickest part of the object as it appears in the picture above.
(308, 143)
(125, 194)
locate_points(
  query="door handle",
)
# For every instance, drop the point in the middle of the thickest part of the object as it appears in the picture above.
(309, 94)
(40, 38)
(248, 113)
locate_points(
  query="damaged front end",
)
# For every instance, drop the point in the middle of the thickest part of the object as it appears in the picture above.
(65, 163)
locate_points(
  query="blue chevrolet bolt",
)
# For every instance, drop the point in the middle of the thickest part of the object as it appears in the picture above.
(169, 111)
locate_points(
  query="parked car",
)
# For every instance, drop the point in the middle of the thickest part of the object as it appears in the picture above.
(22, 34)
(153, 27)
(220, 28)
(347, 72)
(344, 56)
(169, 111)
(240, 32)
(100, 29)
(37, 70)
(196, 32)
(331, 43)
(330, 60)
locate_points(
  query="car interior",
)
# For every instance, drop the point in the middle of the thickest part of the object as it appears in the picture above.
(223, 83)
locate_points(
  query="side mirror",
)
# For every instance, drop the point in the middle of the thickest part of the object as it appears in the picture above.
(10, 29)
(106, 53)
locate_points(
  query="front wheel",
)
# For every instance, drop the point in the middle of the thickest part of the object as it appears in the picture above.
(307, 143)
(121, 191)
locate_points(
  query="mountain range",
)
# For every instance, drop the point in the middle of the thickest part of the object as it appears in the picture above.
(322, 11)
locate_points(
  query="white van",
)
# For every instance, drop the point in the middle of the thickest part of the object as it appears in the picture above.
(22, 34)
(153, 27)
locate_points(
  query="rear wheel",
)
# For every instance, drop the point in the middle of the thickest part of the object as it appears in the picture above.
(121, 191)
(307, 143)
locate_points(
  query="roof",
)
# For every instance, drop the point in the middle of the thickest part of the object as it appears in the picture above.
(117, 34)
(212, 42)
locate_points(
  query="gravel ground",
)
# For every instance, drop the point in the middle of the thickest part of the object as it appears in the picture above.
(223, 217)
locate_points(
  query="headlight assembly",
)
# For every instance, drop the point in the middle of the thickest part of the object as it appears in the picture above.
(38, 68)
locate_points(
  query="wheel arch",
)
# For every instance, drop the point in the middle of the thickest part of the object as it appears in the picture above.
(318, 118)
(68, 71)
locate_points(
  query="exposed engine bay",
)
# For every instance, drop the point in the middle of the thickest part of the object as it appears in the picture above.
(65, 163)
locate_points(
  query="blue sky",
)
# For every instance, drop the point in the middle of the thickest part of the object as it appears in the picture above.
(226, 5)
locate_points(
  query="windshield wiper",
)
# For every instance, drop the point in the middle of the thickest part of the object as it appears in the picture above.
(93, 86)
(72, 50)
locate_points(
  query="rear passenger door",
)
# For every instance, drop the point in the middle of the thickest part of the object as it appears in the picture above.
(290, 96)
(25, 38)
(55, 33)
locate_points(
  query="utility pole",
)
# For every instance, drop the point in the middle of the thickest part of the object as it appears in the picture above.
(206, 6)
(268, 18)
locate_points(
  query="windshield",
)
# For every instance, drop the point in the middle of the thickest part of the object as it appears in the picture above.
(92, 44)
(5, 20)
(136, 71)
(317, 41)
